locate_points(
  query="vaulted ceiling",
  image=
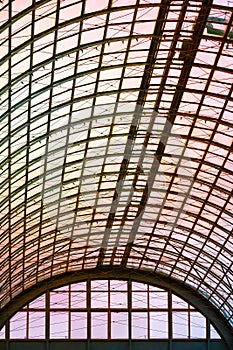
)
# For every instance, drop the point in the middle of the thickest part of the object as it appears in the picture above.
(116, 137)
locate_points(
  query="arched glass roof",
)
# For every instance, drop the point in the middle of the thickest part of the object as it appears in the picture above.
(116, 140)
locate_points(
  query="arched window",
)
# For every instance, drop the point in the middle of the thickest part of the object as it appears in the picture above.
(109, 309)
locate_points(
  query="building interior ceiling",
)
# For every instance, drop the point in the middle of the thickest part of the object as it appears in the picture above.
(116, 141)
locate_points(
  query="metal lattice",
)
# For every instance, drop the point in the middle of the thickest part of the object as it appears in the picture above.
(116, 139)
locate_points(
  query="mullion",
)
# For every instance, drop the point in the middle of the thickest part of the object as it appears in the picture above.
(46, 151)
(129, 39)
(50, 108)
(69, 311)
(109, 317)
(70, 118)
(9, 143)
(148, 310)
(28, 141)
(95, 93)
(184, 76)
(144, 88)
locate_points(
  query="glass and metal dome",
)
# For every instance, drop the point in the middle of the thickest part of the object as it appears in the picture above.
(116, 141)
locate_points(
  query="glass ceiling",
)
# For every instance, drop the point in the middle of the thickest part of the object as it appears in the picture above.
(116, 139)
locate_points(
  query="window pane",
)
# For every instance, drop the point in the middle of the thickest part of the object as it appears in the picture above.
(82, 286)
(139, 300)
(155, 289)
(136, 286)
(178, 303)
(36, 325)
(99, 322)
(159, 325)
(78, 325)
(78, 300)
(59, 300)
(58, 325)
(99, 299)
(38, 303)
(101, 285)
(158, 300)
(18, 326)
(213, 333)
(197, 325)
(119, 324)
(180, 324)
(118, 285)
(62, 289)
(2, 333)
(118, 299)
(139, 325)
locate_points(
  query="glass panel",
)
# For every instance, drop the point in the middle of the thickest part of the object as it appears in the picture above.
(158, 300)
(197, 325)
(82, 286)
(62, 289)
(136, 286)
(36, 325)
(38, 303)
(180, 324)
(99, 323)
(78, 325)
(159, 325)
(2, 333)
(18, 326)
(100, 285)
(139, 325)
(118, 285)
(99, 299)
(59, 300)
(178, 303)
(155, 289)
(78, 300)
(119, 325)
(213, 333)
(118, 300)
(139, 300)
(58, 325)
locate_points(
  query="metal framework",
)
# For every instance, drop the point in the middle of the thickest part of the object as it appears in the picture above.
(115, 142)
(184, 292)
(108, 309)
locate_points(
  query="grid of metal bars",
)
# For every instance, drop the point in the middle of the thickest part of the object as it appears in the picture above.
(116, 140)
(108, 309)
